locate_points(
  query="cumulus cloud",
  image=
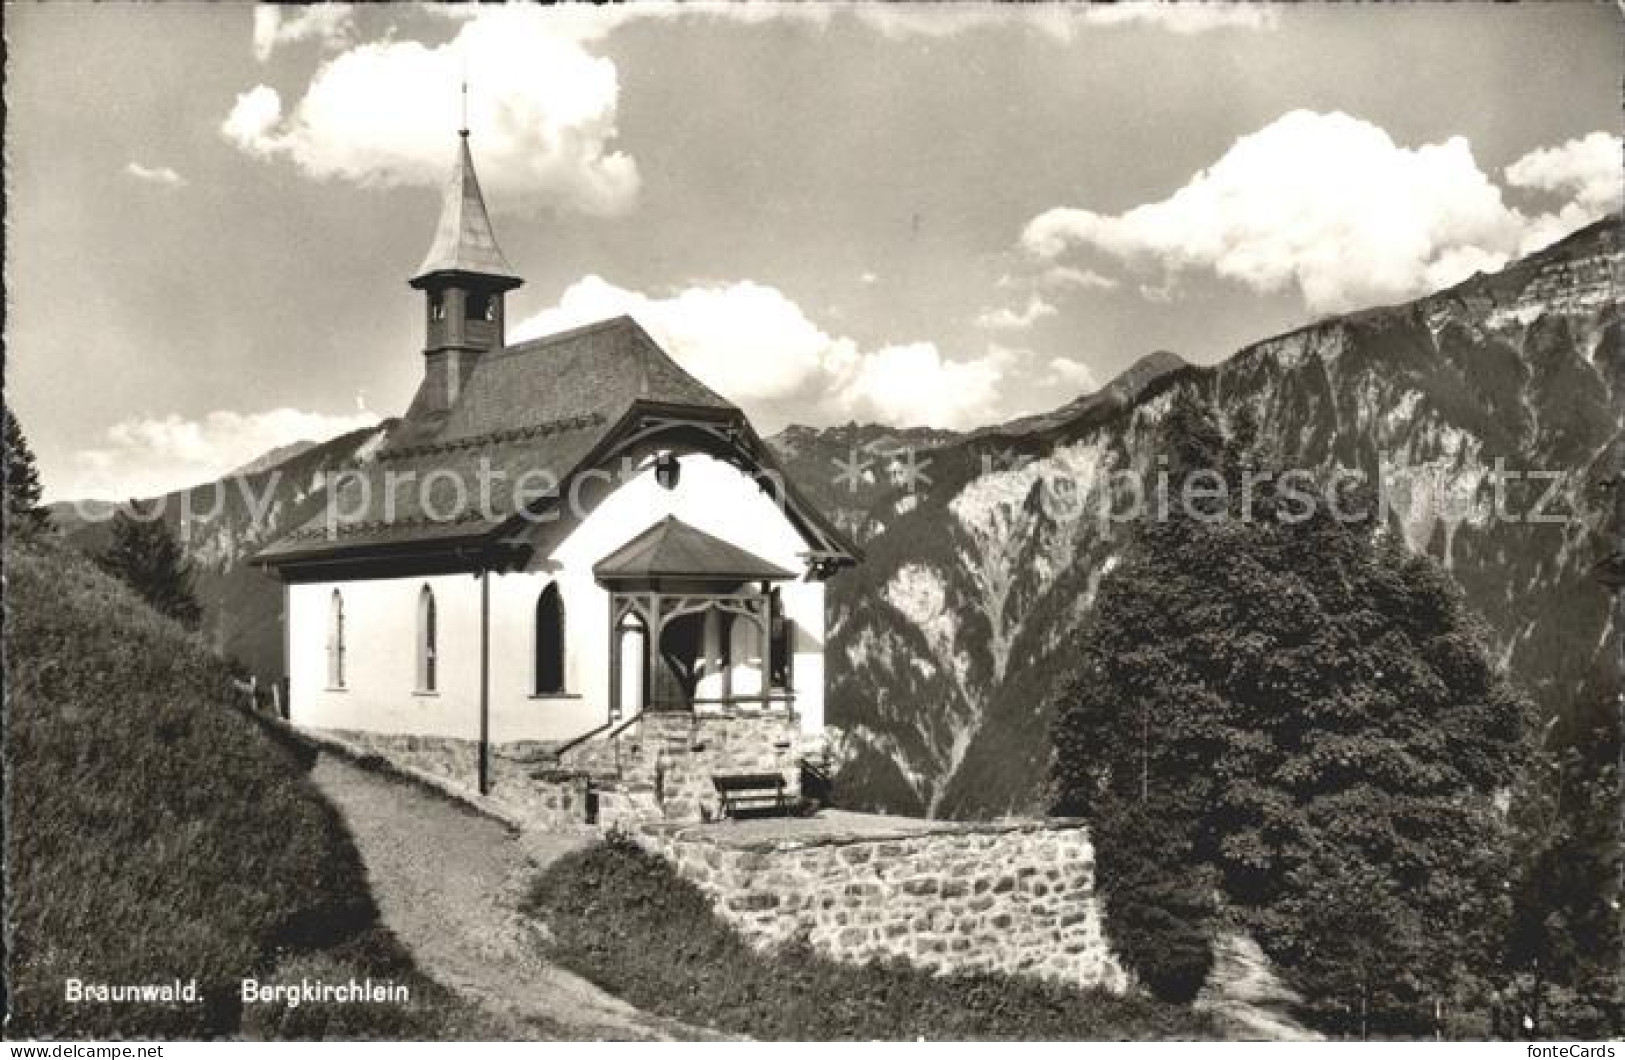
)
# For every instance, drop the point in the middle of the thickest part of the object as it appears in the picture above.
(1060, 21)
(1062, 276)
(147, 456)
(252, 119)
(915, 385)
(161, 175)
(1005, 318)
(1065, 372)
(756, 346)
(274, 24)
(1056, 278)
(544, 111)
(1190, 16)
(1330, 205)
(543, 115)
(1588, 170)
(932, 19)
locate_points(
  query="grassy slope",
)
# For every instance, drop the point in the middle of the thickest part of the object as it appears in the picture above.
(155, 832)
(623, 919)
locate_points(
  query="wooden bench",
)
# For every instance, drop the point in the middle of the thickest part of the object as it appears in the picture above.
(751, 791)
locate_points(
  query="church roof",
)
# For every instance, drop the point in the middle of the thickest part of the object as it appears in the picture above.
(530, 417)
(593, 371)
(673, 549)
(456, 485)
(464, 241)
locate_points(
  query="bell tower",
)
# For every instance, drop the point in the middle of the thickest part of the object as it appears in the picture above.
(463, 280)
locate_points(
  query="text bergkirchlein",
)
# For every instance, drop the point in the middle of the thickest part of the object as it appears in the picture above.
(251, 992)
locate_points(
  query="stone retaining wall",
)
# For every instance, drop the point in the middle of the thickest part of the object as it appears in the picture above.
(698, 747)
(1016, 899)
(658, 767)
(524, 780)
(675, 754)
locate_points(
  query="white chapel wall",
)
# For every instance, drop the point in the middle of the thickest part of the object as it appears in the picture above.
(380, 690)
(380, 693)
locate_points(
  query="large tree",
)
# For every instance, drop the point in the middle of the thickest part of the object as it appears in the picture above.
(146, 555)
(1314, 715)
(23, 513)
(1566, 947)
(1567, 939)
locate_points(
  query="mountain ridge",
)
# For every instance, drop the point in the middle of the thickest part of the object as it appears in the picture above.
(1122, 388)
(946, 644)
(221, 523)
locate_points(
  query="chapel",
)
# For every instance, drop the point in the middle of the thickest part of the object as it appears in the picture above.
(569, 566)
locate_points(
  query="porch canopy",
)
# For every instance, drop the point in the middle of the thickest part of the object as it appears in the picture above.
(671, 549)
(690, 622)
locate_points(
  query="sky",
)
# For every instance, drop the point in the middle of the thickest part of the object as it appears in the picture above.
(912, 214)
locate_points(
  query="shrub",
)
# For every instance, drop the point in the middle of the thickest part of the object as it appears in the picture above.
(1158, 902)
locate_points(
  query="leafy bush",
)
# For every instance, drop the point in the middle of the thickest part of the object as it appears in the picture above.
(154, 831)
(1158, 901)
(622, 918)
(1308, 713)
(1567, 927)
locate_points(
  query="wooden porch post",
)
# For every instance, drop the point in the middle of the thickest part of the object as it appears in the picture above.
(764, 645)
(485, 681)
(287, 648)
(725, 653)
(614, 658)
(651, 649)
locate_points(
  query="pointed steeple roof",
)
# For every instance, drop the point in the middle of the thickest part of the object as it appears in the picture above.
(464, 241)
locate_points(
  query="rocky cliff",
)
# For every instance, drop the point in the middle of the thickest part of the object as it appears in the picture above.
(947, 645)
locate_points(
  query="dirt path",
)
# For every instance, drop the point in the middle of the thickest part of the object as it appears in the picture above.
(447, 882)
(1244, 991)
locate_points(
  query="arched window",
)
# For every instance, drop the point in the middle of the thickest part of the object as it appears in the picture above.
(335, 640)
(427, 646)
(549, 646)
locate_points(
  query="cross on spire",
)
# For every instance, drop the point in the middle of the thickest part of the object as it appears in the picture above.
(462, 129)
